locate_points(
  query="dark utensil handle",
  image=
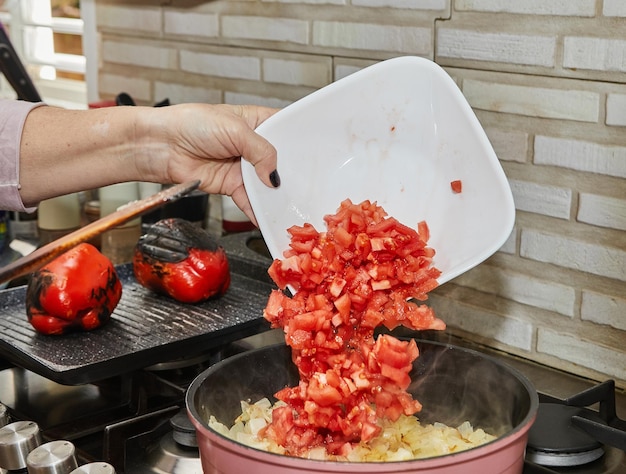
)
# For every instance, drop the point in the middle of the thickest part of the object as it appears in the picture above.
(48, 252)
(14, 70)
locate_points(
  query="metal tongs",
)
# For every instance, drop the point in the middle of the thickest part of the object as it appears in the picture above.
(49, 252)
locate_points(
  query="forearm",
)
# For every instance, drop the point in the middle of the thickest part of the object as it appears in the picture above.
(64, 151)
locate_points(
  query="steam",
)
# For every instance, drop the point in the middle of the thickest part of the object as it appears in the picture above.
(456, 385)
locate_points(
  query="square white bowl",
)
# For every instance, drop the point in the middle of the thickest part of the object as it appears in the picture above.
(398, 133)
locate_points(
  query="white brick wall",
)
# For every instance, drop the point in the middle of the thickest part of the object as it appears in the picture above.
(304, 2)
(239, 98)
(221, 65)
(584, 8)
(297, 72)
(567, 104)
(411, 4)
(616, 109)
(524, 289)
(485, 324)
(581, 155)
(510, 246)
(367, 36)
(266, 28)
(112, 84)
(496, 47)
(178, 94)
(582, 352)
(614, 8)
(153, 56)
(568, 252)
(543, 199)
(604, 309)
(603, 211)
(595, 53)
(509, 145)
(143, 19)
(191, 23)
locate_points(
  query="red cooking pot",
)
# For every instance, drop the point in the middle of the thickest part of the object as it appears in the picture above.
(453, 384)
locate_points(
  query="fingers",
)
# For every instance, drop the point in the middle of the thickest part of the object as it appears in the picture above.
(241, 199)
(257, 150)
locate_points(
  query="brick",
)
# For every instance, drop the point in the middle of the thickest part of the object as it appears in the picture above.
(521, 288)
(509, 48)
(582, 352)
(510, 246)
(542, 199)
(367, 36)
(221, 65)
(603, 309)
(509, 145)
(616, 109)
(567, 104)
(603, 211)
(145, 19)
(614, 8)
(583, 8)
(178, 93)
(239, 98)
(140, 55)
(344, 70)
(483, 323)
(308, 2)
(266, 28)
(191, 23)
(408, 4)
(139, 89)
(598, 54)
(575, 254)
(580, 155)
(298, 73)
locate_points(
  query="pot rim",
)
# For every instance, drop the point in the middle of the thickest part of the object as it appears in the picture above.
(497, 444)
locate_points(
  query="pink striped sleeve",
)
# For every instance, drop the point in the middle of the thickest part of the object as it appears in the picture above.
(12, 117)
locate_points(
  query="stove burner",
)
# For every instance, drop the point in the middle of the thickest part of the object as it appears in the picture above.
(169, 457)
(554, 439)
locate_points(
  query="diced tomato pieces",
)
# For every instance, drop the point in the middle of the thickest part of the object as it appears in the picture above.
(364, 271)
(457, 186)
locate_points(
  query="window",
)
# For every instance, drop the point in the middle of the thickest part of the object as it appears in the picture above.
(50, 37)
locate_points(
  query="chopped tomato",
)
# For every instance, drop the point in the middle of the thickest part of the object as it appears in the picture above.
(457, 186)
(364, 271)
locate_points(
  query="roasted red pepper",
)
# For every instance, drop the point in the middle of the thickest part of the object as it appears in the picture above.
(78, 290)
(181, 260)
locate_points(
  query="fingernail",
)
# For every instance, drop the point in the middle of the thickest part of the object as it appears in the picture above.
(275, 178)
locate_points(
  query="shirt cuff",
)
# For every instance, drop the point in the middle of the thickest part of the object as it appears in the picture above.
(13, 114)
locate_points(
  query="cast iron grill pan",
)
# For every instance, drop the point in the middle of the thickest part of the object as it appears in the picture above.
(145, 329)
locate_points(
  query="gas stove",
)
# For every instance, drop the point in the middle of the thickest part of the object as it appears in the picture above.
(132, 419)
(137, 422)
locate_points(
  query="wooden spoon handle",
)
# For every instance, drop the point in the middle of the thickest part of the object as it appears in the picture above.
(48, 252)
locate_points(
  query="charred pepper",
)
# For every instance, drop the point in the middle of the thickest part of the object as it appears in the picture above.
(181, 260)
(76, 291)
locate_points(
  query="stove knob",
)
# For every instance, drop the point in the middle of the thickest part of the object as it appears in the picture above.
(4, 415)
(16, 441)
(184, 433)
(94, 468)
(55, 457)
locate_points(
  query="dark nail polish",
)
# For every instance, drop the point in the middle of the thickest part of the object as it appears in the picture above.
(275, 178)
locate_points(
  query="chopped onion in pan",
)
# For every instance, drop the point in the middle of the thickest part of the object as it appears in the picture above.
(401, 440)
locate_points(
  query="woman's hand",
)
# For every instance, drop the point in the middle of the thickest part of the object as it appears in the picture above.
(197, 141)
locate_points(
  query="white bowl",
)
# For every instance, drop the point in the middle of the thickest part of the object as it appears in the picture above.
(398, 133)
